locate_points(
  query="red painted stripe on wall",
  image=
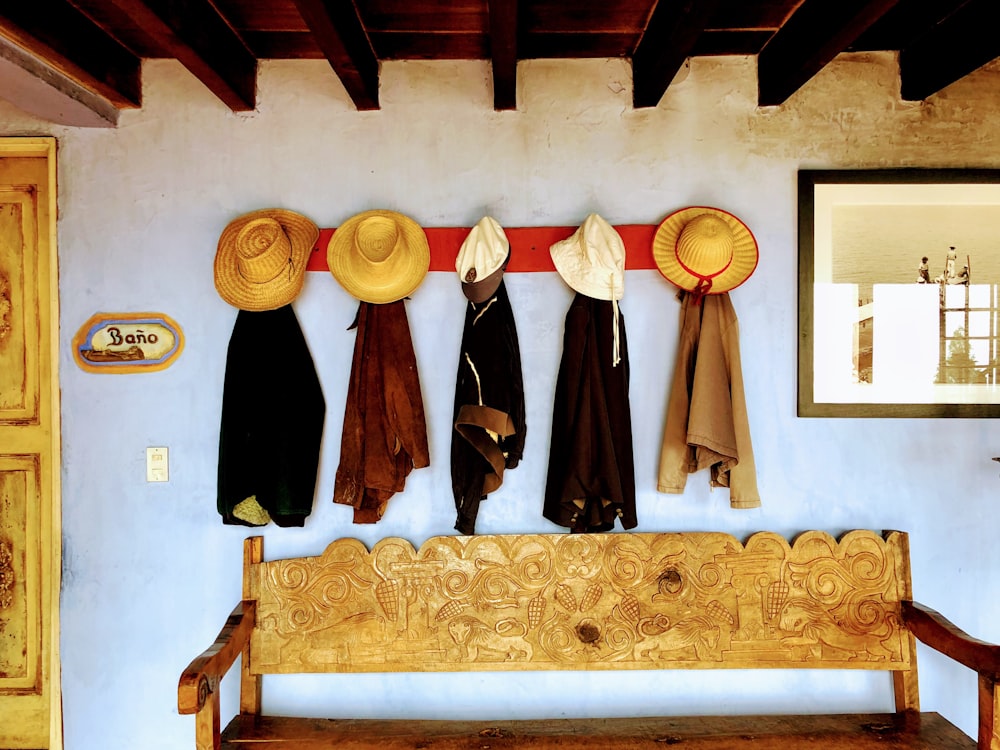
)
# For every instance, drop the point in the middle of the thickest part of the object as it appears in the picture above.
(529, 247)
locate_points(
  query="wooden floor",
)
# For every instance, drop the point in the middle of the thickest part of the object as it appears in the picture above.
(926, 731)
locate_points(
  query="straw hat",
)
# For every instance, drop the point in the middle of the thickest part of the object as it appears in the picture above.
(379, 256)
(261, 260)
(482, 259)
(704, 250)
(592, 259)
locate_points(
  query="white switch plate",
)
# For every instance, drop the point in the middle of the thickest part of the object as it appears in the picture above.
(156, 465)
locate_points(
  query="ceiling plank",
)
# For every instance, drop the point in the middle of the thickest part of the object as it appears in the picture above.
(70, 43)
(341, 35)
(503, 52)
(195, 33)
(963, 42)
(671, 33)
(904, 24)
(35, 87)
(816, 33)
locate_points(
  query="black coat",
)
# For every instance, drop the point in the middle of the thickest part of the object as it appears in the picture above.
(591, 478)
(272, 422)
(489, 424)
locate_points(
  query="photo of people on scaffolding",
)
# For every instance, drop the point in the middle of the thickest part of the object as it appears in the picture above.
(910, 304)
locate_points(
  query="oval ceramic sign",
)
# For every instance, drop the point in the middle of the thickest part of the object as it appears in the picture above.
(127, 342)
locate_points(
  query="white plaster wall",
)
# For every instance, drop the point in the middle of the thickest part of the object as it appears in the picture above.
(150, 573)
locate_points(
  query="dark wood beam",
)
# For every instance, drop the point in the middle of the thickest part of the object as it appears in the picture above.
(815, 34)
(963, 42)
(671, 33)
(62, 37)
(36, 87)
(193, 32)
(337, 27)
(503, 52)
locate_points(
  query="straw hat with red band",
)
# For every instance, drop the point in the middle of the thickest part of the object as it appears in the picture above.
(379, 256)
(260, 263)
(704, 250)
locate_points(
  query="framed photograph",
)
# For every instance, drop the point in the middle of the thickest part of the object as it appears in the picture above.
(899, 308)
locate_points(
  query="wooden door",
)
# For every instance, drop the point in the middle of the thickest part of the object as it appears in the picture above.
(30, 715)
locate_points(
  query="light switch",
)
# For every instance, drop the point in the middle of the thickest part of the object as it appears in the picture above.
(156, 465)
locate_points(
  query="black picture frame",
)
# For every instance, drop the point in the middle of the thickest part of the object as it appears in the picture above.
(867, 230)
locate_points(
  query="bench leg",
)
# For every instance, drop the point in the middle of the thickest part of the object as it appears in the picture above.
(989, 714)
(207, 721)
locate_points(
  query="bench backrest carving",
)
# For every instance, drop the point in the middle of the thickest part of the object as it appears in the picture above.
(603, 601)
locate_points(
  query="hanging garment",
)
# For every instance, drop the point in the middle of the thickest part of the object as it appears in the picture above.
(385, 435)
(591, 476)
(489, 424)
(272, 422)
(707, 424)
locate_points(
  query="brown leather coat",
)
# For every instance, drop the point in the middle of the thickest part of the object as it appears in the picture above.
(385, 434)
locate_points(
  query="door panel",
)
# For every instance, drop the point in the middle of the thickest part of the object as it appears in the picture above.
(30, 715)
(18, 306)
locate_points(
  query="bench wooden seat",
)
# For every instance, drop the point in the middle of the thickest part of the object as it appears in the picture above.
(927, 731)
(587, 602)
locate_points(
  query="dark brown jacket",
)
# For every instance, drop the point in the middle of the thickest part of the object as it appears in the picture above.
(385, 435)
(591, 479)
(489, 424)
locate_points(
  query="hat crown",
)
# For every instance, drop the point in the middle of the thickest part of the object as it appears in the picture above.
(592, 259)
(263, 250)
(376, 238)
(706, 245)
(484, 250)
(602, 245)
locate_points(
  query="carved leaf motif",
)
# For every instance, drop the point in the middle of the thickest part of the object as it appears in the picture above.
(5, 308)
(777, 594)
(6, 576)
(718, 610)
(630, 608)
(565, 596)
(387, 594)
(536, 608)
(590, 597)
(449, 610)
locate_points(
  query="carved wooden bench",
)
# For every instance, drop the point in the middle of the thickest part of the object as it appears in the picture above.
(587, 602)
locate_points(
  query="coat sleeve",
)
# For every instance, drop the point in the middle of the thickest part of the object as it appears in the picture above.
(404, 403)
(743, 491)
(676, 456)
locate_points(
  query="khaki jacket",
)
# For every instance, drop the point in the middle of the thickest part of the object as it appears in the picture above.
(707, 424)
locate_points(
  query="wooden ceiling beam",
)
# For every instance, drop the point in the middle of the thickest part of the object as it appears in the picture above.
(193, 32)
(671, 33)
(816, 33)
(33, 86)
(960, 44)
(66, 40)
(503, 52)
(337, 28)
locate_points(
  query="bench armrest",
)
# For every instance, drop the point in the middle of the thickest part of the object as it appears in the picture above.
(936, 631)
(202, 675)
(942, 635)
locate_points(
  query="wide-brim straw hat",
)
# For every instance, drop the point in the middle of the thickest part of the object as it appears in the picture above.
(379, 256)
(705, 250)
(260, 263)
